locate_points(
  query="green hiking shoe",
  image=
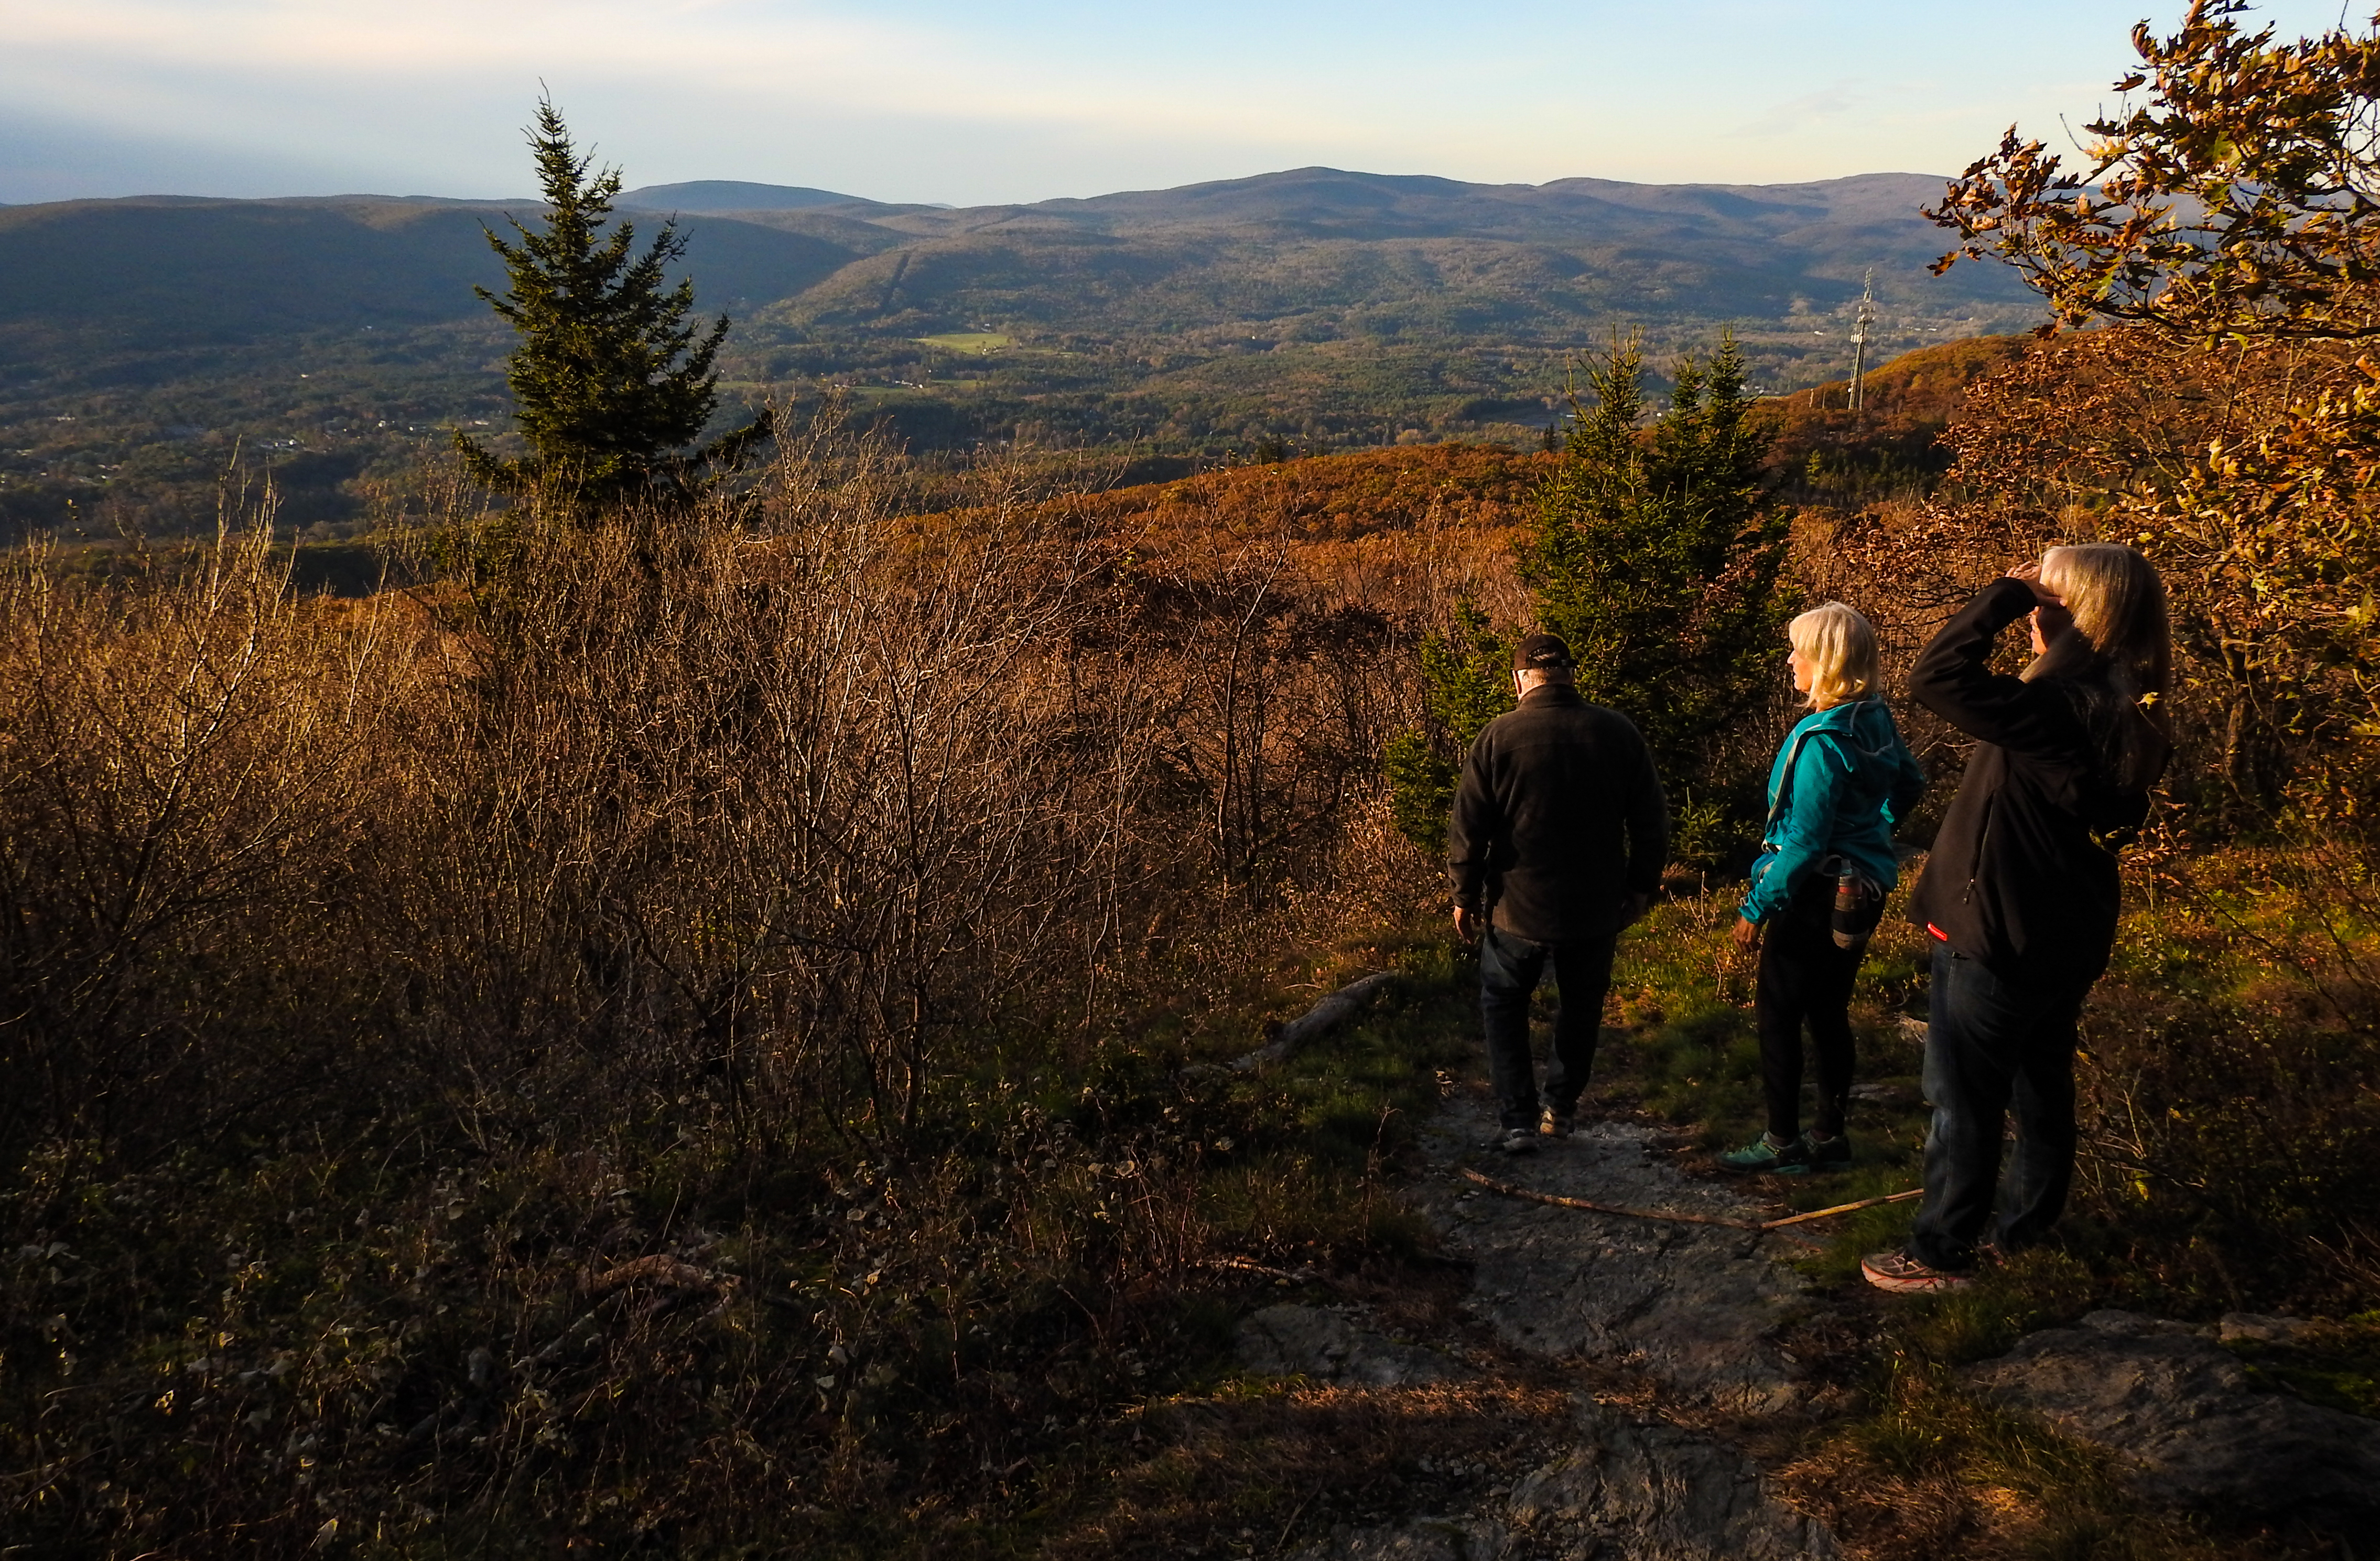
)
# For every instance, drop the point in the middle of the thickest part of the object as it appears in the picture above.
(1763, 1155)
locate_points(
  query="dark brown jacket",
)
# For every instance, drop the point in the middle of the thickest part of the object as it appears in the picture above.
(1560, 816)
(2022, 877)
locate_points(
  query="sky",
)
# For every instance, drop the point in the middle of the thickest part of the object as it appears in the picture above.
(997, 100)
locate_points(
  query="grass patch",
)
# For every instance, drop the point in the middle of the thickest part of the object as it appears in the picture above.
(973, 344)
(682, 1341)
(1271, 1467)
(1687, 1050)
(2334, 1362)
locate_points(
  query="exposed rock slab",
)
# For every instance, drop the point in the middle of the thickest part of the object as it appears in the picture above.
(1646, 1493)
(1691, 1306)
(1661, 1494)
(1416, 1539)
(2249, 1327)
(2198, 1433)
(1327, 1345)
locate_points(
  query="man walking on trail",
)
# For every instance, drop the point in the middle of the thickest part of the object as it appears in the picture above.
(1559, 837)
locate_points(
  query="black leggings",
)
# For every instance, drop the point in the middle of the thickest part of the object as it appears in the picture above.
(1805, 979)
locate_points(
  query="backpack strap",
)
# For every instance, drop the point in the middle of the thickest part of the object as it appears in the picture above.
(1784, 789)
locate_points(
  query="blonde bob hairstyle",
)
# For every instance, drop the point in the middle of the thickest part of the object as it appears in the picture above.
(1839, 645)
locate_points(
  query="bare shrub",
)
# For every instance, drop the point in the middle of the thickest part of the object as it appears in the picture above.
(188, 774)
(780, 805)
(780, 796)
(673, 1004)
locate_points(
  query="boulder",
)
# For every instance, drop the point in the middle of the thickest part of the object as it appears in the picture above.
(2198, 1434)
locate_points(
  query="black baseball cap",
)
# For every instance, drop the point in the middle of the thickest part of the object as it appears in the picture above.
(1543, 653)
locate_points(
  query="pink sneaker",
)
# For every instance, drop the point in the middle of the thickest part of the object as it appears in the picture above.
(1903, 1275)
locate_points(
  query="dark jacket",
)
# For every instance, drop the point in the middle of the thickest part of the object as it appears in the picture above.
(2020, 877)
(1559, 818)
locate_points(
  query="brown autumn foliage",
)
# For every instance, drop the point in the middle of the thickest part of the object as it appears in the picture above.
(2243, 471)
(2233, 199)
(674, 1009)
(1486, 488)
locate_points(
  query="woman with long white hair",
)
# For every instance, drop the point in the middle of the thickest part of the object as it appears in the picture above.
(2020, 895)
(1838, 785)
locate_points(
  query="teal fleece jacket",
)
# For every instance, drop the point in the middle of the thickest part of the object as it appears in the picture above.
(1840, 783)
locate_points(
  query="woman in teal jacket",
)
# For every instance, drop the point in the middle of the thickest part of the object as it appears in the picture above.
(1840, 783)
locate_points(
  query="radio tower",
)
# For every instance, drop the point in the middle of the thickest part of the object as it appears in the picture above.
(1859, 324)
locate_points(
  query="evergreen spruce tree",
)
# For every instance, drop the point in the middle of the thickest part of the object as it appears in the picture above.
(1466, 682)
(1656, 555)
(611, 380)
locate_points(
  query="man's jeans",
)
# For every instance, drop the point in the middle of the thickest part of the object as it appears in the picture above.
(1994, 1047)
(1510, 967)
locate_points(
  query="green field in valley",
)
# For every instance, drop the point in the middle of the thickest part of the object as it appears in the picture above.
(980, 344)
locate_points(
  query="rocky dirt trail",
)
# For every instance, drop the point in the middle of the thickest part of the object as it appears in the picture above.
(1644, 1311)
(1667, 1336)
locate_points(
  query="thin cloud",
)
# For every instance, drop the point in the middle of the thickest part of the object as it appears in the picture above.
(952, 100)
(1801, 114)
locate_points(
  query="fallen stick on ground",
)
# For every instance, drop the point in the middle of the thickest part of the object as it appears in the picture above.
(1844, 1208)
(1509, 1190)
(1287, 1275)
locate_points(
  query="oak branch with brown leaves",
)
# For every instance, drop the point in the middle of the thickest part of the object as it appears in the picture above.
(2240, 199)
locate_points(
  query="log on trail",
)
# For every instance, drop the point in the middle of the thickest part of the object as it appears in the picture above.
(1324, 1017)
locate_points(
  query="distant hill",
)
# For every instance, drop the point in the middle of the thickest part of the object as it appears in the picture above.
(174, 271)
(732, 195)
(1358, 205)
(1276, 247)
(145, 342)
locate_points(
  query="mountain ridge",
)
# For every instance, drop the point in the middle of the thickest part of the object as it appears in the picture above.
(1321, 307)
(1817, 237)
(716, 196)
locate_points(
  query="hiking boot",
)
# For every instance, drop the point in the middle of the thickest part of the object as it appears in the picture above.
(1765, 1155)
(1830, 1154)
(1903, 1275)
(1556, 1124)
(1516, 1141)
